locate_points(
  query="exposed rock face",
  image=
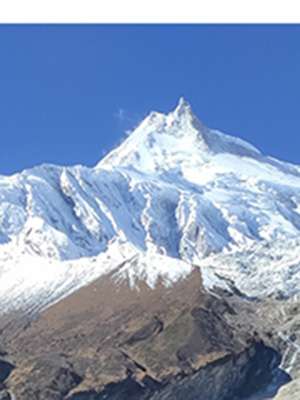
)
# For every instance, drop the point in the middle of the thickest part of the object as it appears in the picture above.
(109, 341)
(220, 379)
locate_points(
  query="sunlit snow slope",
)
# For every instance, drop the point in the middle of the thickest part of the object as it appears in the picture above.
(172, 195)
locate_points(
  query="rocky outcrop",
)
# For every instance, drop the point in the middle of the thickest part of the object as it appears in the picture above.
(48, 377)
(232, 376)
(228, 378)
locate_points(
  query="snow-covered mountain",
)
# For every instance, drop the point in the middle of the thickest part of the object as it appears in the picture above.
(174, 194)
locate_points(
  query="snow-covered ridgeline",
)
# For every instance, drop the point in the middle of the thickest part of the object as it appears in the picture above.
(174, 191)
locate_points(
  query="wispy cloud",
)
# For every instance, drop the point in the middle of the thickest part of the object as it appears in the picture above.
(121, 115)
(127, 120)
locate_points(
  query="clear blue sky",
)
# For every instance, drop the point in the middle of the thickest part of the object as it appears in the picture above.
(68, 93)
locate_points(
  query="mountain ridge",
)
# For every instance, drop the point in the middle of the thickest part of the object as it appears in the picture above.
(171, 268)
(168, 201)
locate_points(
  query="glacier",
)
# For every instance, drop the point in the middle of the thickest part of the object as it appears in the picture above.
(173, 196)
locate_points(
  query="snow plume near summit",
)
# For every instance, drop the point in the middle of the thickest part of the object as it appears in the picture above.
(173, 195)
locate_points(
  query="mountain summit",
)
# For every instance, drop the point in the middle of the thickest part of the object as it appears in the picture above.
(176, 140)
(174, 194)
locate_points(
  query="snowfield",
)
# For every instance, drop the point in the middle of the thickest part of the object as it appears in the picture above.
(174, 194)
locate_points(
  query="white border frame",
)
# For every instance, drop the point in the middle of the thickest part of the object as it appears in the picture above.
(149, 11)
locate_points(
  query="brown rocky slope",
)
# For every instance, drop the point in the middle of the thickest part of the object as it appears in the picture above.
(110, 341)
